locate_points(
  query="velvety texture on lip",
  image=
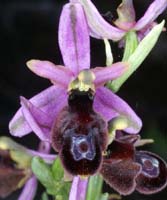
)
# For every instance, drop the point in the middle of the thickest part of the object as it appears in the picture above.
(80, 135)
(153, 177)
(126, 169)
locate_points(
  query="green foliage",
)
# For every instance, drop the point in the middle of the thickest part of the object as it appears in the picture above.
(138, 55)
(130, 44)
(57, 170)
(44, 196)
(104, 196)
(94, 188)
(52, 178)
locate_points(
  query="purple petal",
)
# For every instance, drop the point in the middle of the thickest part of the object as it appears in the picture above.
(74, 38)
(99, 28)
(41, 117)
(78, 189)
(153, 177)
(49, 158)
(44, 147)
(153, 11)
(56, 73)
(43, 152)
(42, 131)
(126, 15)
(110, 105)
(29, 189)
(105, 74)
(50, 101)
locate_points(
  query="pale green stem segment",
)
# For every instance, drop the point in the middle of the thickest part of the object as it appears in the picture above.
(104, 196)
(109, 56)
(139, 55)
(131, 43)
(94, 188)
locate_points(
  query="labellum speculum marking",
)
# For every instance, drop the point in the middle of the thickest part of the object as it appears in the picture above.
(153, 177)
(79, 133)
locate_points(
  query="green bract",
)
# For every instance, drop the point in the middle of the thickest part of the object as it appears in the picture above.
(51, 177)
(139, 55)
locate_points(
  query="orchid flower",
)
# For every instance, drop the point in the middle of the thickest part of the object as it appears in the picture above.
(99, 28)
(125, 169)
(39, 113)
(53, 115)
(15, 167)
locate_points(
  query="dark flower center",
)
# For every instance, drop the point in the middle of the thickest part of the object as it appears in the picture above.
(80, 134)
(83, 147)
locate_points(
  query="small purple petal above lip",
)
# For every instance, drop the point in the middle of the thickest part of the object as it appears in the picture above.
(50, 101)
(74, 39)
(97, 25)
(29, 189)
(105, 74)
(114, 106)
(40, 131)
(56, 73)
(153, 11)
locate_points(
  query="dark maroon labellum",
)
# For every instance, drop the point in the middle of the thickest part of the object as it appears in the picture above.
(9, 175)
(153, 177)
(118, 168)
(126, 169)
(80, 135)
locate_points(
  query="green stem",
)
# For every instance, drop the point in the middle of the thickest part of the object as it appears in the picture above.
(94, 188)
(138, 56)
(131, 43)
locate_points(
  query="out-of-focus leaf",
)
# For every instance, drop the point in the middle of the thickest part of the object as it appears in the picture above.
(51, 177)
(63, 193)
(44, 196)
(57, 170)
(104, 196)
(44, 174)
